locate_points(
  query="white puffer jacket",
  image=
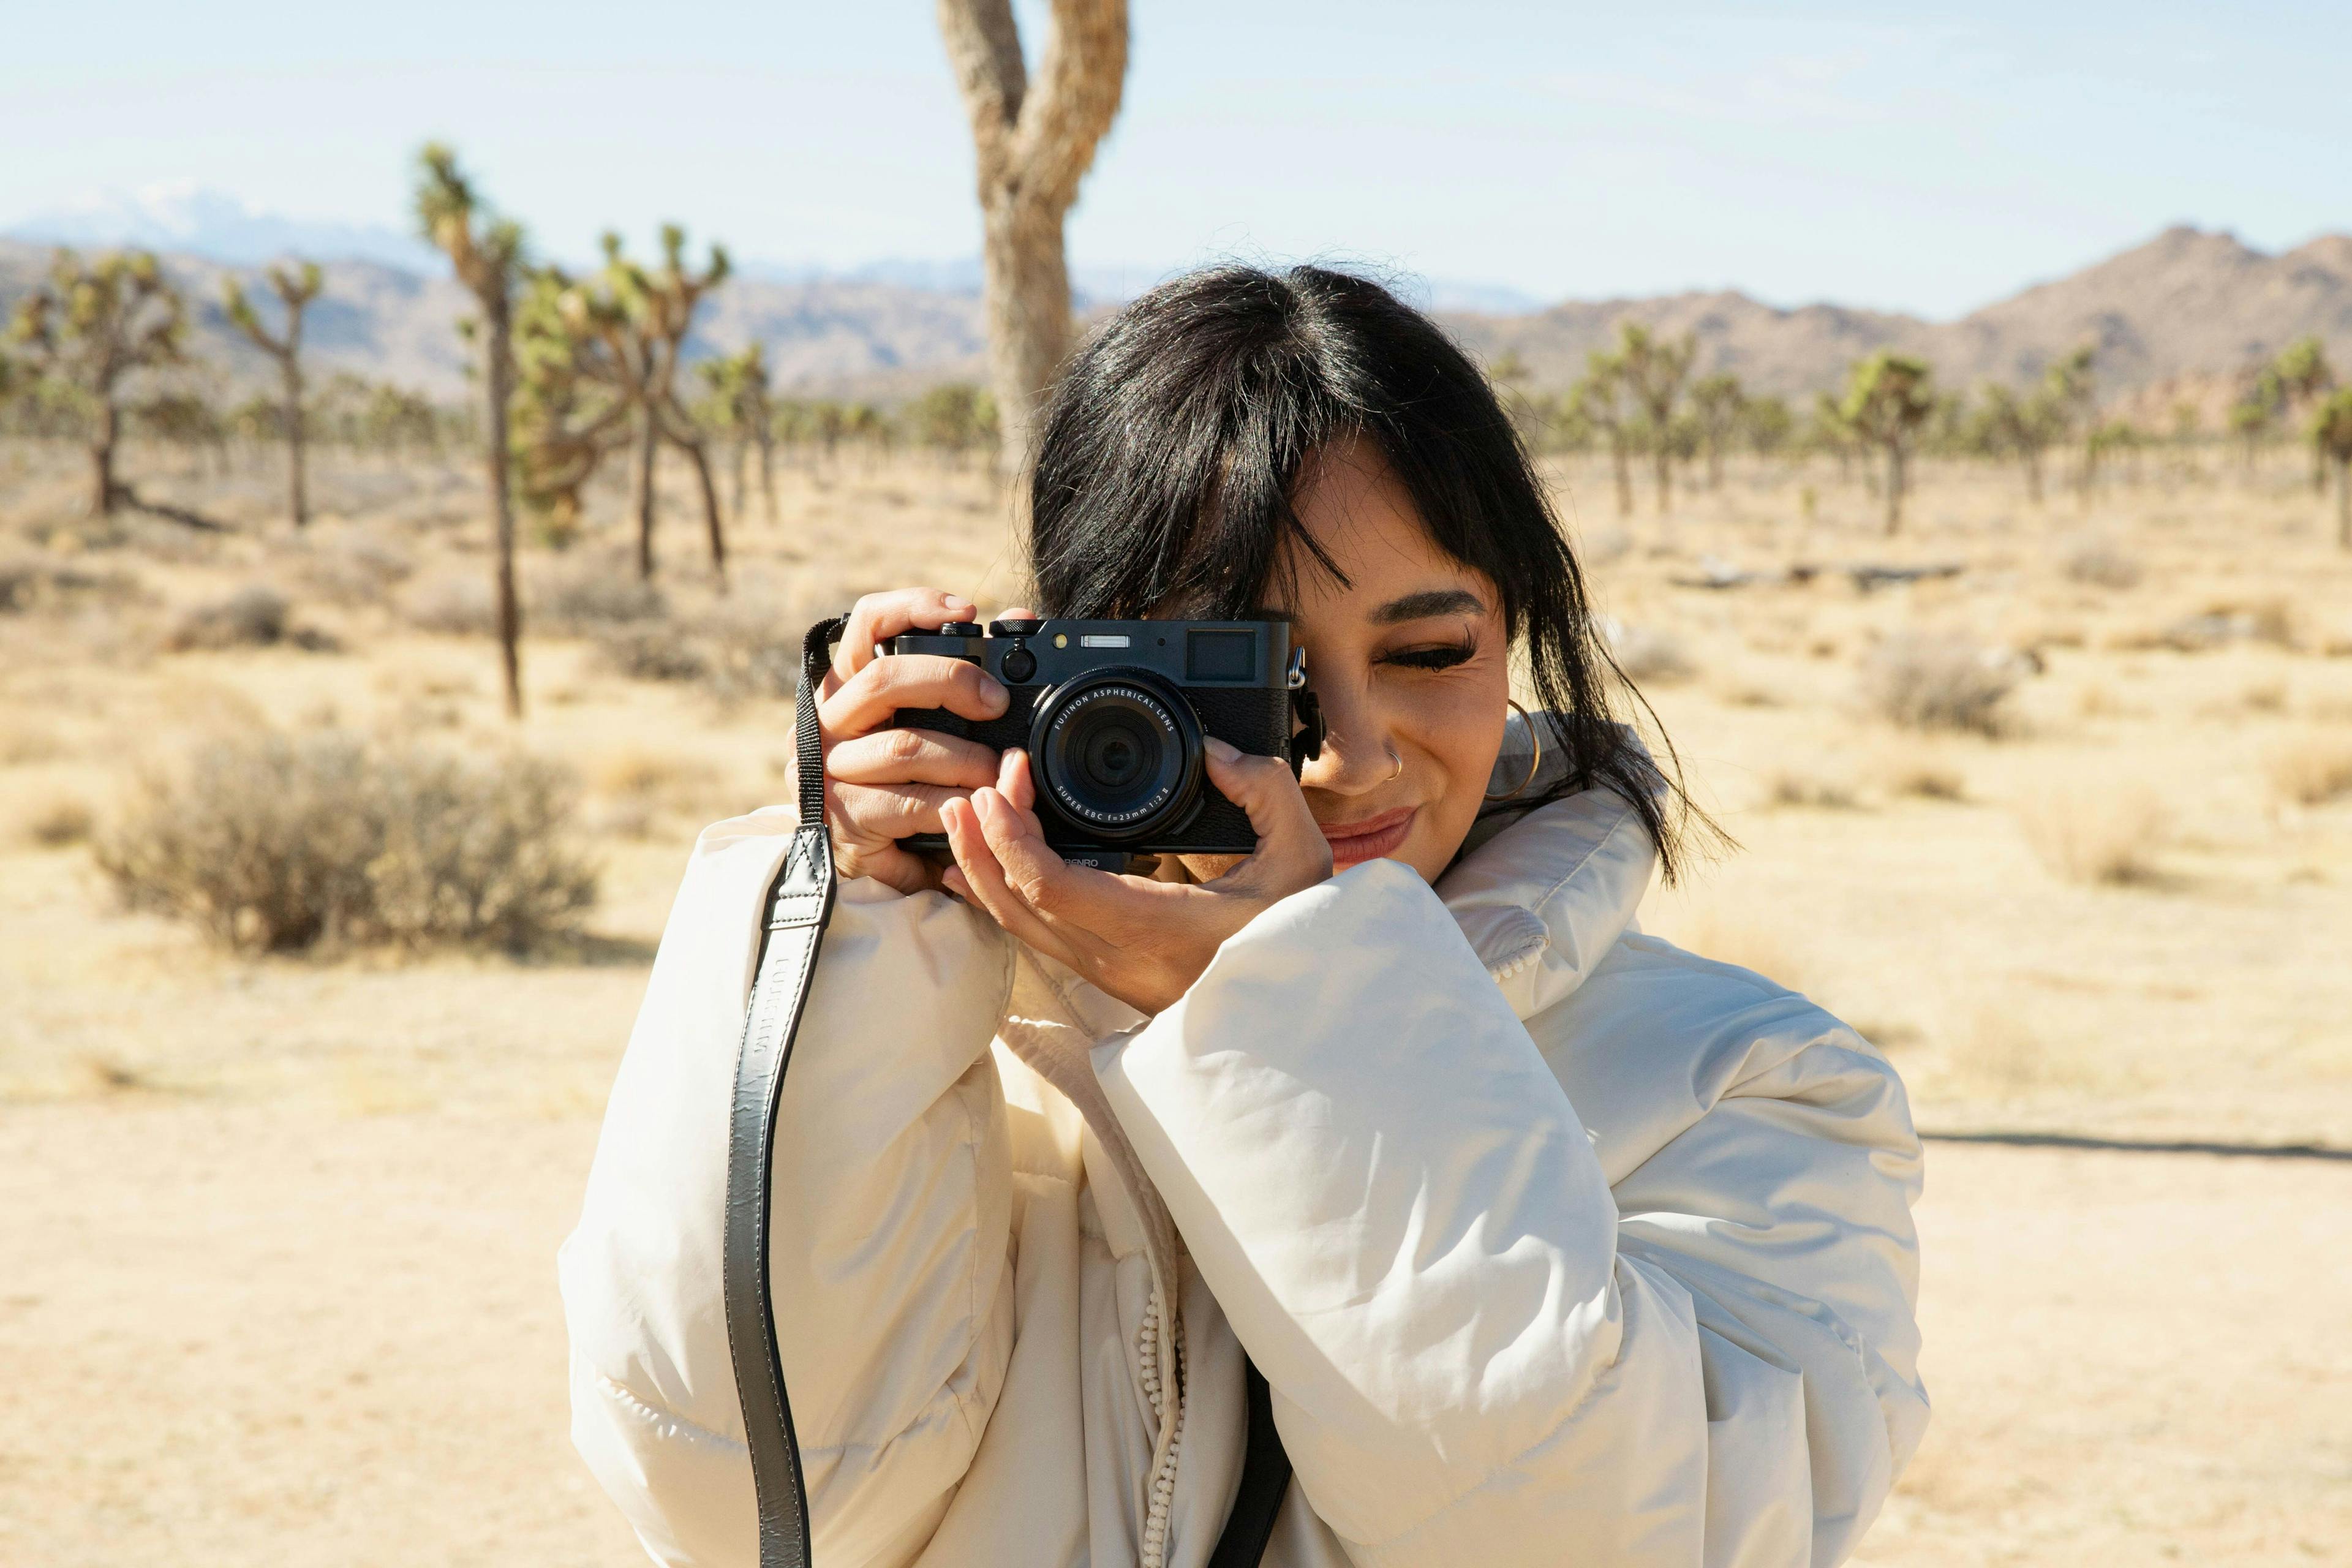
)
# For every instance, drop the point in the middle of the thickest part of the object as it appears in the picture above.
(1555, 1244)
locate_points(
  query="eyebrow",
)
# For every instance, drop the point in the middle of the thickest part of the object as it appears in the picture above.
(1430, 602)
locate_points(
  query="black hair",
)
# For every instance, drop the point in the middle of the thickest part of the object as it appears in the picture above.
(1172, 446)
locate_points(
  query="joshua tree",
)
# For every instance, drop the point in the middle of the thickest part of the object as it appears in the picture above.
(2253, 415)
(571, 403)
(1033, 142)
(1653, 370)
(1887, 399)
(952, 418)
(1602, 402)
(2331, 440)
(2304, 378)
(485, 251)
(662, 303)
(739, 398)
(1719, 404)
(2007, 424)
(1767, 424)
(295, 290)
(2071, 395)
(87, 330)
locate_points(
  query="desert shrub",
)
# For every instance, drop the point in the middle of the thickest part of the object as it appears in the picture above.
(2102, 563)
(59, 821)
(28, 583)
(2312, 772)
(1947, 683)
(651, 653)
(1926, 778)
(353, 568)
(1811, 791)
(453, 605)
(1648, 654)
(255, 615)
(2097, 833)
(585, 598)
(272, 843)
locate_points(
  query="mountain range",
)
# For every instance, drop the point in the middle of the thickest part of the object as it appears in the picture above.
(2177, 316)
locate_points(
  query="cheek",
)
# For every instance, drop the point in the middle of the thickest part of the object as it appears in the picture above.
(1455, 730)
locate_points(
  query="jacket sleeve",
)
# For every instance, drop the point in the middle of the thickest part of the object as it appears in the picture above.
(1478, 1353)
(891, 1206)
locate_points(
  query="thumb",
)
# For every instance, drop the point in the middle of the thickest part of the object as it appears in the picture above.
(1289, 845)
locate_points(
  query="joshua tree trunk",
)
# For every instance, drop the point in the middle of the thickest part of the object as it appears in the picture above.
(498, 377)
(1664, 462)
(104, 493)
(711, 514)
(768, 473)
(648, 428)
(1895, 488)
(1033, 142)
(297, 480)
(1622, 463)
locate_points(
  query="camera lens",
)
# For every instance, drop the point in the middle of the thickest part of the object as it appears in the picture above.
(1118, 752)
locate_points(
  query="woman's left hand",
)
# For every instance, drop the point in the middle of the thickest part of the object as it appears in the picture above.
(1143, 941)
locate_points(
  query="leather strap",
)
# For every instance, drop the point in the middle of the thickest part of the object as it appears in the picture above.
(798, 904)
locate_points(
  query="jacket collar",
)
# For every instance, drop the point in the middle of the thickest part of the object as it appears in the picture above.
(1543, 894)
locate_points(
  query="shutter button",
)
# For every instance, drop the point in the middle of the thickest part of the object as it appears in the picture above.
(1019, 665)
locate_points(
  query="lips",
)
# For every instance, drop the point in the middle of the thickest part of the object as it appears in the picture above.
(1353, 843)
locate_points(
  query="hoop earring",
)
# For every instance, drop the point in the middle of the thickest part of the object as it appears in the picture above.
(1534, 761)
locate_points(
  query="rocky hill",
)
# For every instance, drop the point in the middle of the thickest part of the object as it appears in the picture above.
(2188, 309)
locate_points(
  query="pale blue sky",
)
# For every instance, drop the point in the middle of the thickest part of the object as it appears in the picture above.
(1927, 158)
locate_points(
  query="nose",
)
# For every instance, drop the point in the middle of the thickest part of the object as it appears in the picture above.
(1357, 757)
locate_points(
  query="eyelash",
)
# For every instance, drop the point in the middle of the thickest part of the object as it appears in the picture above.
(1445, 657)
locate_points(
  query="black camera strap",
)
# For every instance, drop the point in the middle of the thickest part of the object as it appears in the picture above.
(798, 905)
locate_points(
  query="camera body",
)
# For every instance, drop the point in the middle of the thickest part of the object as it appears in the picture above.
(1113, 715)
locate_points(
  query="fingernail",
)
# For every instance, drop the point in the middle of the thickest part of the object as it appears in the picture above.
(993, 690)
(1223, 750)
(954, 603)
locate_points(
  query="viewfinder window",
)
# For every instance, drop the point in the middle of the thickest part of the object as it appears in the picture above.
(1219, 656)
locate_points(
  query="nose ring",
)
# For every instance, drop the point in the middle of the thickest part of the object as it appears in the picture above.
(1396, 757)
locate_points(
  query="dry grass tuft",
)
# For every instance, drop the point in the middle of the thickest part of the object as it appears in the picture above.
(273, 843)
(60, 822)
(2313, 771)
(2095, 835)
(1920, 775)
(651, 653)
(454, 605)
(256, 615)
(1788, 788)
(2102, 563)
(1940, 682)
(587, 596)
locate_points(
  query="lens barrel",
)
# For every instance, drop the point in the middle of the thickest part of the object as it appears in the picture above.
(1118, 751)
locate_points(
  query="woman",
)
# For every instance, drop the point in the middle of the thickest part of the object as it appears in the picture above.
(1554, 1243)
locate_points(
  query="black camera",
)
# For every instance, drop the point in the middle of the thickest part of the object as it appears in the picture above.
(1113, 715)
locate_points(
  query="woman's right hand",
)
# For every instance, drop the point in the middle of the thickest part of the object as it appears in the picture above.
(881, 784)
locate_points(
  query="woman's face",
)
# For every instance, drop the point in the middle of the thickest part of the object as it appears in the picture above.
(1410, 661)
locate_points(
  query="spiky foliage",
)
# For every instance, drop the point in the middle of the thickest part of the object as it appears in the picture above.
(1602, 401)
(87, 330)
(2331, 442)
(1767, 424)
(657, 309)
(1718, 406)
(1654, 369)
(1888, 399)
(295, 289)
(2303, 379)
(485, 251)
(573, 396)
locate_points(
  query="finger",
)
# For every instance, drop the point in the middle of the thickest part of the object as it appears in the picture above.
(1288, 841)
(878, 616)
(984, 883)
(912, 756)
(878, 812)
(891, 866)
(1033, 870)
(1016, 781)
(866, 699)
(1017, 612)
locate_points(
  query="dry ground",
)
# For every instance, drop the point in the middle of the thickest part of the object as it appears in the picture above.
(277, 1281)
